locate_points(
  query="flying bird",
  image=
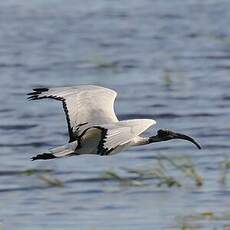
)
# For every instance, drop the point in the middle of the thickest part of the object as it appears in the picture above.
(93, 125)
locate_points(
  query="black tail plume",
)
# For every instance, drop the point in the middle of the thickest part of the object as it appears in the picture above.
(43, 156)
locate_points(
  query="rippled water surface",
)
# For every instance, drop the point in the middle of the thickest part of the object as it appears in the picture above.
(168, 60)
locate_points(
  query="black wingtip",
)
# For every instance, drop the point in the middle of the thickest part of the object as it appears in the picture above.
(34, 97)
(43, 156)
(40, 90)
(35, 94)
(32, 93)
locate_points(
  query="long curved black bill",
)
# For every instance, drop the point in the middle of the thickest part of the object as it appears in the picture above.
(187, 138)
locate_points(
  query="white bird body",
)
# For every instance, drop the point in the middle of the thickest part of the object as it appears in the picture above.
(92, 124)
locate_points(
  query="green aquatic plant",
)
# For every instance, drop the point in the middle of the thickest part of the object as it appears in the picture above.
(168, 78)
(102, 62)
(163, 176)
(51, 181)
(44, 175)
(31, 172)
(161, 173)
(225, 166)
(187, 167)
(205, 219)
(124, 181)
(111, 174)
(158, 173)
(185, 226)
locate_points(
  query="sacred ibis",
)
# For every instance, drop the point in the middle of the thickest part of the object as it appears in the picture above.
(93, 126)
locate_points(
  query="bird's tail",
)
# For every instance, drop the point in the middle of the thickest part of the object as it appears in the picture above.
(61, 151)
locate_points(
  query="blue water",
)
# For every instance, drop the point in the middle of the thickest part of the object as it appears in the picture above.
(168, 60)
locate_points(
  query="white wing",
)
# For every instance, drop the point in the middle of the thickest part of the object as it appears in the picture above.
(84, 106)
(119, 133)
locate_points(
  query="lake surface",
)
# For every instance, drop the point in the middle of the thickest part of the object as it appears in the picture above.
(168, 60)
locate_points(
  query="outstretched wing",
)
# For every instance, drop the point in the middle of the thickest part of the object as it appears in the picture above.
(119, 133)
(84, 105)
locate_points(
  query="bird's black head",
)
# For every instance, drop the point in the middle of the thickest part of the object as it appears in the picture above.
(165, 135)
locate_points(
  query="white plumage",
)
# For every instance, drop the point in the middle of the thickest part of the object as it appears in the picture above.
(92, 124)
